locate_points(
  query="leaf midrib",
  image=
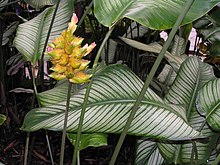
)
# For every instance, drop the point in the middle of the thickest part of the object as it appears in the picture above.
(122, 11)
(40, 31)
(123, 101)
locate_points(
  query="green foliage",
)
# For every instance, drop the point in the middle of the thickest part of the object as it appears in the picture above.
(188, 113)
(2, 119)
(208, 103)
(113, 93)
(31, 36)
(155, 14)
(89, 140)
(40, 3)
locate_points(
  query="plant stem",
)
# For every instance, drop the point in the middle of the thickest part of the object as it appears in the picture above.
(26, 148)
(49, 148)
(65, 124)
(87, 95)
(41, 65)
(84, 15)
(149, 78)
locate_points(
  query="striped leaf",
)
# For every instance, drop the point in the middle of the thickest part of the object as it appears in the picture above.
(57, 93)
(113, 94)
(193, 74)
(2, 119)
(155, 14)
(170, 151)
(208, 103)
(147, 153)
(38, 4)
(31, 36)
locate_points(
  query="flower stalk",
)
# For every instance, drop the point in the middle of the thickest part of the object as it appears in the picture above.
(66, 55)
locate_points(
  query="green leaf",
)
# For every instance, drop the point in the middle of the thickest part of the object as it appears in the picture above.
(170, 151)
(89, 140)
(31, 36)
(211, 33)
(147, 153)
(155, 14)
(175, 61)
(2, 119)
(113, 94)
(208, 103)
(9, 31)
(3, 3)
(58, 93)
(38, 4)
(193, 74)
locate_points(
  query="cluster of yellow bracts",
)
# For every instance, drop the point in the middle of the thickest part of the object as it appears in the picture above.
(66, 55)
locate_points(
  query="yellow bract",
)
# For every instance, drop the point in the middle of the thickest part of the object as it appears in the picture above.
(66, 55)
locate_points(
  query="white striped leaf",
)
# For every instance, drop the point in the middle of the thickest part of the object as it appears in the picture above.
(57, 93)
(193, 74)
(156, 158)
(155, 14)
(40, 3)
(31, 36)
(147, 153)
(208, 103)
(169, 151)
(113, 94)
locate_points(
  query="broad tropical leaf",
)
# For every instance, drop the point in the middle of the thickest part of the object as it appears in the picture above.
(208, 103)
(155, 14)
(193, 74)
(113, 93)
(2, 119)
(170, 151)
(59, 92)
(31, 35)
(89, 140)
(40, 3)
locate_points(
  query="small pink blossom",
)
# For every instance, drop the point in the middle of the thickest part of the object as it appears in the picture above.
(74, 18)
(49, 49)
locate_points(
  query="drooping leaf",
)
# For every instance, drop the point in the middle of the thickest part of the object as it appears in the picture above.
(30, 37)
(175, 61)
(38, 4)
(155, 14)
(89, 140)
(113, 93)
(2, 119)
(208, 103)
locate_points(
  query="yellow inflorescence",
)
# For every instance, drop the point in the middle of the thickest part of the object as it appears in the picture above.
(66, 55)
